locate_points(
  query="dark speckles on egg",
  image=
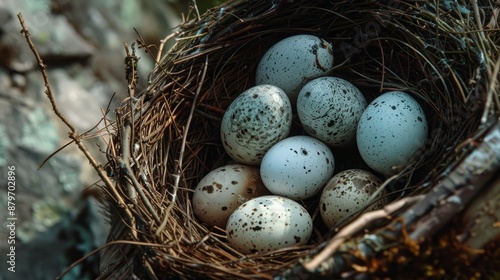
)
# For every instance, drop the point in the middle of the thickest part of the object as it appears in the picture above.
(208, 189)
(222, 190)
(294, 60)
(403, 120)
(270, 229)
(291, 169)
(255, 120)
(348, 192)
(329, 108)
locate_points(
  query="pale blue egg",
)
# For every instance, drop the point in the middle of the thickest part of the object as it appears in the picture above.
(293, 61)
(297, 167)
(392, 129)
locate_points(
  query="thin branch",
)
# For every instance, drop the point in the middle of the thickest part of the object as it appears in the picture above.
(491, 93)
(177, 174)
(54, 153)
(357, 226)
(73, 132)
(128, 134)
(41, 68)
(50, 95)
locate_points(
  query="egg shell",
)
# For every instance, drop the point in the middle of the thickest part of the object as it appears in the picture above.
(392, 128)
(223, 189)
(346, 193)
(297, 167)
(329, 109)
(293, 61)
(257, 119)
(268, 223)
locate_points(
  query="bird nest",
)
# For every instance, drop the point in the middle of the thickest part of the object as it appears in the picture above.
(166, 138)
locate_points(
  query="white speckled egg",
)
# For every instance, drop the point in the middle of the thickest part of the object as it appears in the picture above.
(223, 189)
(329, 109)
(346, 193)
(297, 167)
(392, 128)
(257, 119)
(293, 61)
(268, 223)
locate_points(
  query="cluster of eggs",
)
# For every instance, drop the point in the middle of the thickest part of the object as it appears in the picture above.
(256, 199)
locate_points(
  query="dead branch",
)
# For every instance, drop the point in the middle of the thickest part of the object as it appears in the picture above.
(73, 134)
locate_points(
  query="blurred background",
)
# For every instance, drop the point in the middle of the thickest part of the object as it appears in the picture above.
(59, 219)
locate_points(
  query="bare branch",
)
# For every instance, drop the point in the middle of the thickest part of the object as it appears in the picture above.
(73, 134)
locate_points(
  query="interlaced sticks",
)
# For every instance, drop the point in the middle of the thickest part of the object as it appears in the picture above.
(128, 138)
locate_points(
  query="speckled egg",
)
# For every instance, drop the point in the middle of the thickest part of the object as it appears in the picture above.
(222, 190)
(392, 128)
(268, 223)
(297, 167)
(329, 109)
(257, 119)
(348, 192)
(292, 62)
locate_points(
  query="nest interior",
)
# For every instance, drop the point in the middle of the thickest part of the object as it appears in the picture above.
(166, 138)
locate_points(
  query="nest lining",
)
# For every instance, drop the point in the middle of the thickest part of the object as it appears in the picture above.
(443, 55)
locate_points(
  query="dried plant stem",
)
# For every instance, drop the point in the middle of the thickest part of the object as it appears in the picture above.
(177, 174)
(162, 45)
(73, 134)
(125, 161)
(128, 134)
(358, 225)
(41, 68)
(491, 96)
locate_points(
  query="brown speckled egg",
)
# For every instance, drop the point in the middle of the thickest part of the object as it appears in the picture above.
(256, 119)
(223, 190)
(348, 192)
(268, 223)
